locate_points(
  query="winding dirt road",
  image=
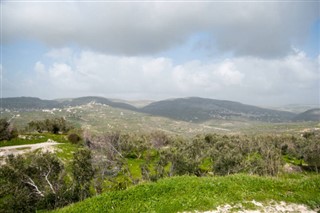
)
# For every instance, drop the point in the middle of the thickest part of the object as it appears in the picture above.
(22, 149)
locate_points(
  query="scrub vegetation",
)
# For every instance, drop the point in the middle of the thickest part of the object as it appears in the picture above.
(156, 171)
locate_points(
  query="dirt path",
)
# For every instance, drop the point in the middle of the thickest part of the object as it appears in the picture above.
(22, 149)
(217, 128)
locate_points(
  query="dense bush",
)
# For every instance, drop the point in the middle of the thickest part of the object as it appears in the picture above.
(7, 131)
(37, 181)
(83, 173)
(54, 125)
(311, 152)
(203, 154)
(41, 182)
(74, 138)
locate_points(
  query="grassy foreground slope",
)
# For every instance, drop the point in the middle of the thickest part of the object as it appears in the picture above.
(187, 193)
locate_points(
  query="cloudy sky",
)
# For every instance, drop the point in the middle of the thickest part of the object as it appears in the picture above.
(255, 52)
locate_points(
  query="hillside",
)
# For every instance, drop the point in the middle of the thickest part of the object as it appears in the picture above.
(194, 109)
(185, 193)
(201, 109)
(309, 115)
(295, 108)
(100, 100)
(30, 103)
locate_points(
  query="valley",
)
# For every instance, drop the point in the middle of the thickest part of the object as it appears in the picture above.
(189, 116)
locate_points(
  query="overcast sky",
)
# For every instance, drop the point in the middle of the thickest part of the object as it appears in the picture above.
(255, 52)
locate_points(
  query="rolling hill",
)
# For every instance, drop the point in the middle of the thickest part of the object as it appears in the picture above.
(31, 103)
(309, 115)
(28, 103)
(100, 100)
(196, 109)
(193, 109)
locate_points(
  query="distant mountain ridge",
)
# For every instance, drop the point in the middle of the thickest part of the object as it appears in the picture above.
(309, 115)
(100, 100)
(193, 109)
(196, 109)
(28, 103)
(31, 103)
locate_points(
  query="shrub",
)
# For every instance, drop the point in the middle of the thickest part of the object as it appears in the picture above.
(83, 173)
(35, 182)
(312, 153)
(54, 125)
(7, 131)
(74, 138)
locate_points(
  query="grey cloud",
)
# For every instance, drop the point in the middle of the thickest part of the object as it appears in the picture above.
(264, 29)
(292, 79)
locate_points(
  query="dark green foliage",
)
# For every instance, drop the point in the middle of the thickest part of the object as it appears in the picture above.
(32, 183)
(255, 155)
(308, 135)
(54, 125)
(41, 182)
(83, 173)
(7, 131)
(220, 154)
(74, 138)
(185, 156)
(312, 152)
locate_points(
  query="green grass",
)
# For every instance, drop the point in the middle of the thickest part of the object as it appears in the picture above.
(66, 150)
(186, 193)
(293, 161)
(33, 139)
(134, 167)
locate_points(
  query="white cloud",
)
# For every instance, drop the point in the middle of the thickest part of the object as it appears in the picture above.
(39, 68)
(59, 54)
(293, 79)
(264, 29)
(229, 73)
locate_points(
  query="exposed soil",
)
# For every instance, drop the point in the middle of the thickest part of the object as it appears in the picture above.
(22, 149)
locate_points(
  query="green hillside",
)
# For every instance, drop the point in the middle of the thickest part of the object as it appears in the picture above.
(197, 109)
(309, 115)
(193, 109)
(192, 193)
(103, 118)
(28, 103)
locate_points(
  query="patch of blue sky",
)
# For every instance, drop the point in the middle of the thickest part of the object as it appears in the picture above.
(199, 46)
(312, 43)
(21, 55)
